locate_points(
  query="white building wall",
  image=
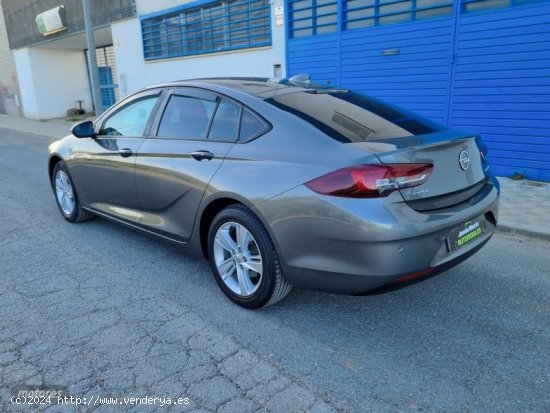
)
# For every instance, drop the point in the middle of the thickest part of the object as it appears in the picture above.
(9, 89)
(24, 74)
(51, 81)
(135, 72)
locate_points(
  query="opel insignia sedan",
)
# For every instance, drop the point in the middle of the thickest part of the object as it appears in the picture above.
(282, 183)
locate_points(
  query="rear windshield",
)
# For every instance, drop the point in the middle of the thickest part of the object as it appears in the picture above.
(353, 117)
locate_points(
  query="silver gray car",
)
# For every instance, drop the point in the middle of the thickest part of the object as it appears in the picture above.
(282, 183)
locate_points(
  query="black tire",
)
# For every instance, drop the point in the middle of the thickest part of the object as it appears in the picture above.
(76, 214)
(266, 287)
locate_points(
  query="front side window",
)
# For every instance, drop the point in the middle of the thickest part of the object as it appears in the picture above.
(186, 117)
(131, 119)
(353, 117)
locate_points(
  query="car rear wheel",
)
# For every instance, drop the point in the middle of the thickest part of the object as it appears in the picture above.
(66, 197)
(244, 260)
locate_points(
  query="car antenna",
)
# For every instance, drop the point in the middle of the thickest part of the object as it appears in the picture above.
(302, 78)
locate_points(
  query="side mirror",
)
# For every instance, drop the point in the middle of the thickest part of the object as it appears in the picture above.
(83, 130)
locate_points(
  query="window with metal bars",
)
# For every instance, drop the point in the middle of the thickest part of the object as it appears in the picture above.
(311, 17)
(367, 13)
(469, 6)
(108, 75)
(214, 27)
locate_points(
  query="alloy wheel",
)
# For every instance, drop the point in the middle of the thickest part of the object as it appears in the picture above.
(238, 259)
(64, 192)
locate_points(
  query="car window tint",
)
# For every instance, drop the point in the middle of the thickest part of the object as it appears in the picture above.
(250, 126)
(186, 117)
(226, 122)
(352, 117)
(131, 119)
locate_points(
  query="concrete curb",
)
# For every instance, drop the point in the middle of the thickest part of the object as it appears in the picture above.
(55, 128)
(43, 135)
(519, 230)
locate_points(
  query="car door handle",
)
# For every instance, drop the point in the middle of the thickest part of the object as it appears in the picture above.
(202, 155)
(125, 152)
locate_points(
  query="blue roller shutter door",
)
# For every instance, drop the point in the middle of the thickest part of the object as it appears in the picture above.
(485, 71)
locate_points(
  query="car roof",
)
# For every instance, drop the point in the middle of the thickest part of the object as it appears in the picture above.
(261, 87)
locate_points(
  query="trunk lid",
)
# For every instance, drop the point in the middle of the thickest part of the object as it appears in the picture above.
(458, 172)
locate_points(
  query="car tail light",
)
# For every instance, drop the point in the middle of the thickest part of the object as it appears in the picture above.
(371, 181)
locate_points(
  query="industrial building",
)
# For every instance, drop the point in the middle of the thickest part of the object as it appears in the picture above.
(478, 65)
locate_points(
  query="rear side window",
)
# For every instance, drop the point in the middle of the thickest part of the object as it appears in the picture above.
(352, 117)
(225, 125)
(251, 126)
(186, 117)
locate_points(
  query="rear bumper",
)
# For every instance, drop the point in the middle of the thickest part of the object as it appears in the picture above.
(346, 283)
(335, 249)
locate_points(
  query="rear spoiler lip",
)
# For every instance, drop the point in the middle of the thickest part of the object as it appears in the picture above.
(391, 145)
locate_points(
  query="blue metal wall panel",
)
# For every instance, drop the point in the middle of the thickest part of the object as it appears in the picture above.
(416, 77)
(487, 72)
(502, 86)
(315, 55)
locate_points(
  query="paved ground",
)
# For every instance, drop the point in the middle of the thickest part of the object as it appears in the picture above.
(76, 312)
(51, 128)
(525, 207)
(108, 312)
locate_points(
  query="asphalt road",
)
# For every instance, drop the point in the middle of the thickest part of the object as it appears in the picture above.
(105, 311)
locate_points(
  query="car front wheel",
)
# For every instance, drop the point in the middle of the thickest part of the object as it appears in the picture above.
(66, 197)
(244, 260)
